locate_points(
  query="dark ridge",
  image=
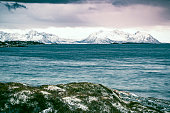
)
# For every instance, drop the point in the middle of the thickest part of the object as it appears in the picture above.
(18, 43)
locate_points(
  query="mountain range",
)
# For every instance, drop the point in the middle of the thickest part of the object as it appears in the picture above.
(101, 37)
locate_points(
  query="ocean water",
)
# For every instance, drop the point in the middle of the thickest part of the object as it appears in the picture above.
(143, 69)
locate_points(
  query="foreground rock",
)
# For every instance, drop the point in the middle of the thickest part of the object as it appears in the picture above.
(74, 97)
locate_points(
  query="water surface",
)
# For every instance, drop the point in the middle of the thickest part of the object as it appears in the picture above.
(143, 69)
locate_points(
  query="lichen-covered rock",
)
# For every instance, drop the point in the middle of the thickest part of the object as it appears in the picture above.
(74, 98)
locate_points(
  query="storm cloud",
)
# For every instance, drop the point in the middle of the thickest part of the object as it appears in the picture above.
(118, 3)
(45, 1)
(162, 3)
(89, 13)
(14, 6)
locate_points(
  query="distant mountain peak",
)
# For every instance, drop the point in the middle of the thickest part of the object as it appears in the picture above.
(100, 37)
(138, 32)
(32, 32)
(116, 36)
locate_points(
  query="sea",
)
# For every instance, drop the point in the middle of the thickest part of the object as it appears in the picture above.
(142, 69)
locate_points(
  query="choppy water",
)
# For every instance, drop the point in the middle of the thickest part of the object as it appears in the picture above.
(143, 69)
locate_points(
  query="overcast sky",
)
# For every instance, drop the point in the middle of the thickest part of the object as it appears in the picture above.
(152, 16)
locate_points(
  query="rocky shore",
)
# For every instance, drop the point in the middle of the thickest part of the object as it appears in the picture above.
(74, 98)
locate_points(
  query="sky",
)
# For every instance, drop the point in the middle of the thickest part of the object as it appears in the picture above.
(78, 18)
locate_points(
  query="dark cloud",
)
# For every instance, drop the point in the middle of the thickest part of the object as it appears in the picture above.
(92, 8)
(114, 2)
(14, 6)
(107, 13)
(160, 3)
(45, 1)
(163, 3)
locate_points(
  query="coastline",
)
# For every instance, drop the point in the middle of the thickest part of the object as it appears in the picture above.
(18, 43)
(27, 43)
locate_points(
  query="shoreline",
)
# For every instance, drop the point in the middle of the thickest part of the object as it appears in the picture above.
(4, 44)
(18, 43)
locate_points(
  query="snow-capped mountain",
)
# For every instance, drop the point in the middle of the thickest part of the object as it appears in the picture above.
(101, 37)
(31, 36)
(108, 37)
(141, 37)
(9, 36)
(41, 37)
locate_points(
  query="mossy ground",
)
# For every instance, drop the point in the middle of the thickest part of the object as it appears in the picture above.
(65, 98)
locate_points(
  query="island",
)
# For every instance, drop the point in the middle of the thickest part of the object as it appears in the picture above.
(18, 43)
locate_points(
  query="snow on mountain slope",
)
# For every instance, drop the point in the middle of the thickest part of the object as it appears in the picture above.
(30, 36)
(42, 37)
(10, 36)
(107, 37)
(143, 38)
(35, 36)
(101, 37)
